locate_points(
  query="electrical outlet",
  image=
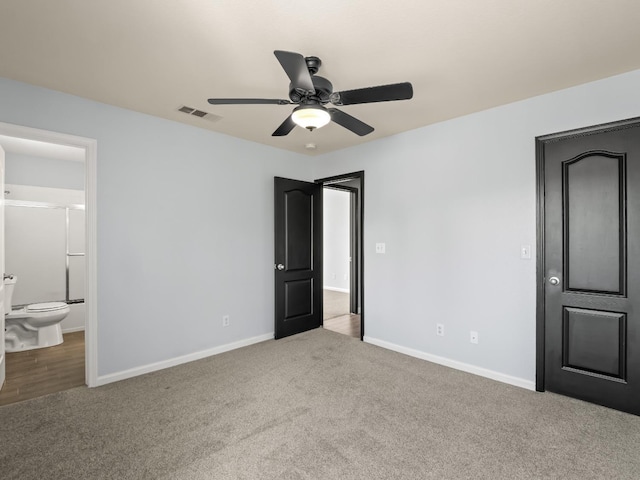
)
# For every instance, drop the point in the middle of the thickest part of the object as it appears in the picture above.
(473, 337)
(225, 321)
(440, 330)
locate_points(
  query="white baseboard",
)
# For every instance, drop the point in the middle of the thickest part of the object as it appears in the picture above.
(465, 367)
(172, 362)
(336, 289)
(73, 329)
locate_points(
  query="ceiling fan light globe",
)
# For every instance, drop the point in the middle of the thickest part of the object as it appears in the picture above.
(311, 117)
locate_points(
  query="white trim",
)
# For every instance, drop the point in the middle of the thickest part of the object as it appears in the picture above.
(30, 204)
(336, 289)
(90, 147)
(465, 367)
(73, 329)
(172, 362)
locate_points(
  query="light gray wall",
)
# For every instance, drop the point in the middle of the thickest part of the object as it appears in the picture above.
(335, 257)
(454, 202)
(43, 172)
(179, 244)
(185, 226)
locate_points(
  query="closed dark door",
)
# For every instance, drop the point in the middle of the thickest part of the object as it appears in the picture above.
(591, 262)
(298, 256)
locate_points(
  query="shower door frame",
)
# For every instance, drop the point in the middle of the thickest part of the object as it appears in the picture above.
(68, 252)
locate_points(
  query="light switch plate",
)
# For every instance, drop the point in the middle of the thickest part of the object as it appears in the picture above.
(380, 247)
(525, 252)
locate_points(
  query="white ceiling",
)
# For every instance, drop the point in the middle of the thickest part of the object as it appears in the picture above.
(461, 56)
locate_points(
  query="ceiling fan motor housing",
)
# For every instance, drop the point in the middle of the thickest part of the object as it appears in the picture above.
(322, 86)
(313, 64)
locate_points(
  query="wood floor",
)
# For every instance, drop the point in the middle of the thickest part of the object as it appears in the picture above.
(337, 317)
(42, 371)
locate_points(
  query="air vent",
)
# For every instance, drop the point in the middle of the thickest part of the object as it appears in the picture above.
(199, 113)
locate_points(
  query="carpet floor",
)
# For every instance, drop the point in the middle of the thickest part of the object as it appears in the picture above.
(318, 405)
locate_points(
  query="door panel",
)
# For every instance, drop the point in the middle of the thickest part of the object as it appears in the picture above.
(298, 252)
(595, 342)
(594, 218)
(298, 211)
(591, 263)
(298, 298)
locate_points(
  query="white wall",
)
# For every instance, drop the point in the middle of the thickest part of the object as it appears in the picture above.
(43, 172)
(185, 227)
(454, 202)
(335, 211)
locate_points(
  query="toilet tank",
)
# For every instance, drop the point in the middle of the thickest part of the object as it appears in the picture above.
(9, 285)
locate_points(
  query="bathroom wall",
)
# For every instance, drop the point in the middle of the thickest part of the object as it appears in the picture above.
(43, 172)
(35, 247)
(336, 239)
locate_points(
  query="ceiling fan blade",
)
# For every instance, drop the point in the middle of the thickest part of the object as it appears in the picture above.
(382, 93)
(248, 101)
(296, 69)
(350, 123)
(284, 128)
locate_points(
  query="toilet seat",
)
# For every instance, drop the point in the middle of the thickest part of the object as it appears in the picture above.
(46, 307)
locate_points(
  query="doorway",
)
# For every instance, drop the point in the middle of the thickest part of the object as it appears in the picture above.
(57, 144)
(588, 325)
(342, 254)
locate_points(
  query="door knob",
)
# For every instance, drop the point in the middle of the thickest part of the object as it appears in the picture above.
(554, 280)
(280, 266)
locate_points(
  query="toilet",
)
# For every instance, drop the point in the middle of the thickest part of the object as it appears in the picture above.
(32, 326)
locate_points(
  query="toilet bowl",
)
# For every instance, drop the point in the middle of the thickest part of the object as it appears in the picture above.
(32, 326)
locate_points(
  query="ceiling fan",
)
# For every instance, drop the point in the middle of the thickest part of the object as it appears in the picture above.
(311, 93)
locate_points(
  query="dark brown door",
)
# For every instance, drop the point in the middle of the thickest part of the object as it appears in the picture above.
(298, 256)
(591, 264)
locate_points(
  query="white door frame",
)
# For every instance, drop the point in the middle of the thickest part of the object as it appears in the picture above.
(90, 146)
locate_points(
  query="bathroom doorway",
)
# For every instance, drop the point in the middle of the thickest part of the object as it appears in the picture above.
(49, 202)
(342, 254)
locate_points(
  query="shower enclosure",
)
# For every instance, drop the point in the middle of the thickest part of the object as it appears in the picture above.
(44, 247)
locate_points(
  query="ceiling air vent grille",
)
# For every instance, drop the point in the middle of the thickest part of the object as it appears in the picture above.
(199, 113)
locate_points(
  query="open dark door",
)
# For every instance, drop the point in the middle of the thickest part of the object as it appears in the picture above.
(298, 256)
(590, 265)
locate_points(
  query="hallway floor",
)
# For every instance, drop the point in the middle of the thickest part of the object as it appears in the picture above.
(337, 316)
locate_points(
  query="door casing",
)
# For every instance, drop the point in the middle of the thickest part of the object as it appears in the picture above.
(90, 146)
(358, 217)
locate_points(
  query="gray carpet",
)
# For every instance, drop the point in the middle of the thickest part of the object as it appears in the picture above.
(314, 406)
